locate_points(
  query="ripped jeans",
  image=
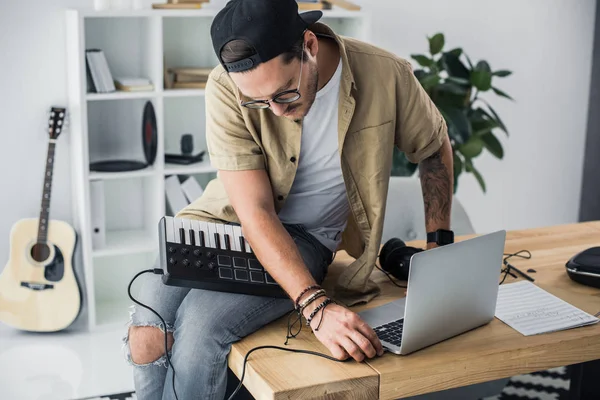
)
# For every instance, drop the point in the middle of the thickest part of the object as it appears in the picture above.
(204, 325)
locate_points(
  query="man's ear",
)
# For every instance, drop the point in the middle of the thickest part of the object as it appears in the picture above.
(311, 43)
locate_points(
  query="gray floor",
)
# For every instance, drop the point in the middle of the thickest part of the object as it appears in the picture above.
(62, 366)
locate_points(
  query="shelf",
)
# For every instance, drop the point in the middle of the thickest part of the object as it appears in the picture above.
(198, 168)
(207, 12)
(183, 92)
(120, 95)
(149, 171)
(128, 242)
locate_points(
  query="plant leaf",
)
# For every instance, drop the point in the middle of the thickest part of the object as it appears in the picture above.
(470, 168)
(447, 99)
(502, 73)
(423, 60)
(458, 166)
(481, 122)
(468, 164)
(501, 93)
(430, 81)
(493, 145)
(472, 148)
(458, 169)
(468, 61)
(459, 127)
(481, 76)
(454, 66)
(456, 52)
(419, 74)
(483, 66)
(436, 43)
(452, 88)
(400, 164)
(460, 81)
(479, 178)
(495, 117)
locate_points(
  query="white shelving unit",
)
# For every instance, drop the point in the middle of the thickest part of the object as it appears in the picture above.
(108, 126)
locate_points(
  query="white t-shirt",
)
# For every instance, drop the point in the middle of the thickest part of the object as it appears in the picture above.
(318, 197)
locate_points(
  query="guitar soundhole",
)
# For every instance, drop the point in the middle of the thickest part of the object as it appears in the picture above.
(40, 252)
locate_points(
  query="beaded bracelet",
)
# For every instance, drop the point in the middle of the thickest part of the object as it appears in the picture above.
(301, 311)
(323, 312)
(316, 310)
(303, 292)
(310, 298)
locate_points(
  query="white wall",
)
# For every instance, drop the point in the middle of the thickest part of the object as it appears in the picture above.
(547, 44)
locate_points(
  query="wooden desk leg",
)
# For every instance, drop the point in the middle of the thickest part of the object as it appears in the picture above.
(584, 381)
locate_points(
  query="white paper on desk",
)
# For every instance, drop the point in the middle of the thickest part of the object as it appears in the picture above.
(531, 310)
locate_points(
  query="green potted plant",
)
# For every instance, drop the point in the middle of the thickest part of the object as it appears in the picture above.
(455, 89)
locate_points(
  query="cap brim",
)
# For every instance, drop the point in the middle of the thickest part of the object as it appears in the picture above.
(310, 17)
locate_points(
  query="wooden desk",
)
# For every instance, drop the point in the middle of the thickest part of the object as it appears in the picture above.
(491, 352)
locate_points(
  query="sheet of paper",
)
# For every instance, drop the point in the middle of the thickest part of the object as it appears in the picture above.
(531, 310)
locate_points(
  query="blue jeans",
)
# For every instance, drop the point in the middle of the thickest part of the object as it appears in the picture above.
(205, 324)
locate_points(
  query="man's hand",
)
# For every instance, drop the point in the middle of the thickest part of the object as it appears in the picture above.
(432, 245)
(344, 333)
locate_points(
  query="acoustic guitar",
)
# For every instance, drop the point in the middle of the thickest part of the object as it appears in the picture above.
(39, 290)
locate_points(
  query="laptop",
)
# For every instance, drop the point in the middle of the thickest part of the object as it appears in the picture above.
(451, 289)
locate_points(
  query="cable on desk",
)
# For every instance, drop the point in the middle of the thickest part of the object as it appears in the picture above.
(526, 254)
(314, 353)
(159, 271)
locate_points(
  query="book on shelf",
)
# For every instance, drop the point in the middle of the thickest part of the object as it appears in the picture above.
(187, 77)
(100, 79)
(180, 191)
(176, 200)
(189, 85)
(133, 84)
(176, 6)
(307, 5)
(192, 189)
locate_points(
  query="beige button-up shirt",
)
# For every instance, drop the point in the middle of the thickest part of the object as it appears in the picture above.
(381, 104)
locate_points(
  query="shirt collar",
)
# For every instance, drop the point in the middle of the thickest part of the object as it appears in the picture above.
(320, 29)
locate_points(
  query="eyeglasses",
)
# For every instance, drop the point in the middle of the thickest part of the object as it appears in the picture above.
(285, 97)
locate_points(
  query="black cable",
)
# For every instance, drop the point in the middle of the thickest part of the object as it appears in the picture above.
(389, 277)
(518, 254)
(314, 353)
(509, 267)
(157, 271)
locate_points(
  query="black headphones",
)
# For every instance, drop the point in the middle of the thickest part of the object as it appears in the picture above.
(394, 258)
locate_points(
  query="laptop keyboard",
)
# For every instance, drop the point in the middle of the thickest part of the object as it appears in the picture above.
(391, 332)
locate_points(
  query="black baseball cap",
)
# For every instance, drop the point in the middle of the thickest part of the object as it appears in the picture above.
(270, 26)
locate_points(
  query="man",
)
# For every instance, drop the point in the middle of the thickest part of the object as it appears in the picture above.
(301, 125)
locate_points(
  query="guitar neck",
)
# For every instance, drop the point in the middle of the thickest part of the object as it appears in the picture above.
(45, 209)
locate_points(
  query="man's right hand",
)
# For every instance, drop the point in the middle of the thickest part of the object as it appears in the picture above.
(344, 333)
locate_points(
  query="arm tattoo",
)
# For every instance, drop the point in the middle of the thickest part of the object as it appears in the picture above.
(435, 182)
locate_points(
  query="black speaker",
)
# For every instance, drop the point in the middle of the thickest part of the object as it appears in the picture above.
(394, 258)
(187, 144)
(584, 267)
